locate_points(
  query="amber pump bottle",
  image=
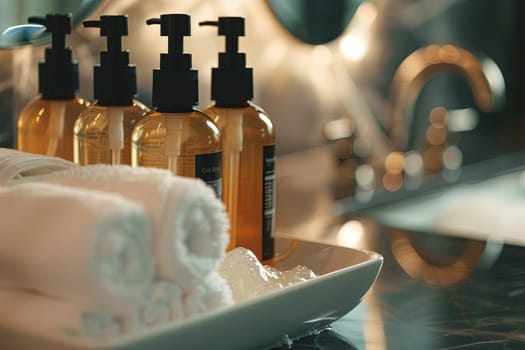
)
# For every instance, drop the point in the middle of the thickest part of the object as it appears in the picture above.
(103, 131)
(249, 146)
(45, 124)
(175, 135)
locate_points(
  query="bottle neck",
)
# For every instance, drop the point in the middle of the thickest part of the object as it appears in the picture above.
(57, 97)
(114, 102)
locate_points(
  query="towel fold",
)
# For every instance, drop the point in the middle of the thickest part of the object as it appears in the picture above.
(164, 305)
(87, 247)
(26, 313)
(213, 293)
(16, 165)
(189, 223)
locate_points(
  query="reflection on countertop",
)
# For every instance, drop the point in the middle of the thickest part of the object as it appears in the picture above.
(435, 291)
(453, 302)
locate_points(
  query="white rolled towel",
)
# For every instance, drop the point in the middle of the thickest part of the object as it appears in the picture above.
(87, 247)
(189, 223)
(213, 293)
(27, 319)
(17, 165)
(165, 305)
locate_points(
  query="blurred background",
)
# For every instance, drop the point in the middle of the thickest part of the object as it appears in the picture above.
(403, 94)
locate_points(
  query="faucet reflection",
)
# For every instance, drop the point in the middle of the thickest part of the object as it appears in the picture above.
(432, 268)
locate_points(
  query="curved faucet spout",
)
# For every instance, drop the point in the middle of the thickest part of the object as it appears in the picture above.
(484, 78)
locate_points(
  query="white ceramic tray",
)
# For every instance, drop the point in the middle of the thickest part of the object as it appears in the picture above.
(345, 276)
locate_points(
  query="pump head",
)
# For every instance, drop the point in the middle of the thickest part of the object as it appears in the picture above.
(57, 74)
(232, 82)
(115, 80)
(175, 84)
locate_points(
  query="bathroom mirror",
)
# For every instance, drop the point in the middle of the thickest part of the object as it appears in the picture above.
(14, 30)
(314, 21)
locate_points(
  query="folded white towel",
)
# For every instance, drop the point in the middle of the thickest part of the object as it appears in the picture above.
(16, 165)
(213, 293)
(28, 319)
(219, 292)
(89, 247)
(164, 305)
(189, 223)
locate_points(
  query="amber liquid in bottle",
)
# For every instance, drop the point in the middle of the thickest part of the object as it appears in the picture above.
(252, 216)
(45, 126)
(95, 128)
(177, 141)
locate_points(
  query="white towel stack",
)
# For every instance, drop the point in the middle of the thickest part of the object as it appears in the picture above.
(188, 239)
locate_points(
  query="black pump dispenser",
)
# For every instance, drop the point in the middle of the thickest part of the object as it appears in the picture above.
(232, 82)
(57, 74)
(115, 80)
(175, 84)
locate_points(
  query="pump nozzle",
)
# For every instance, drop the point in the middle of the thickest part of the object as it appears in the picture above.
(113, 28)
(57, 25)
(175, 84)
(175, 27)
(232, 82)
(57, 74)
(232, 28)
(115, 80)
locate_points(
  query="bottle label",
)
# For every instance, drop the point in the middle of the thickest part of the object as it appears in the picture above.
(208, 167)
(268, 198)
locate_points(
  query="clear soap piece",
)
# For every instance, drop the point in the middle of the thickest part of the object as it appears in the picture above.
(248, 278)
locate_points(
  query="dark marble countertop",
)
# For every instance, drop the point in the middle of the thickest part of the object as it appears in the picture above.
(433, 292)
(450, 294)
